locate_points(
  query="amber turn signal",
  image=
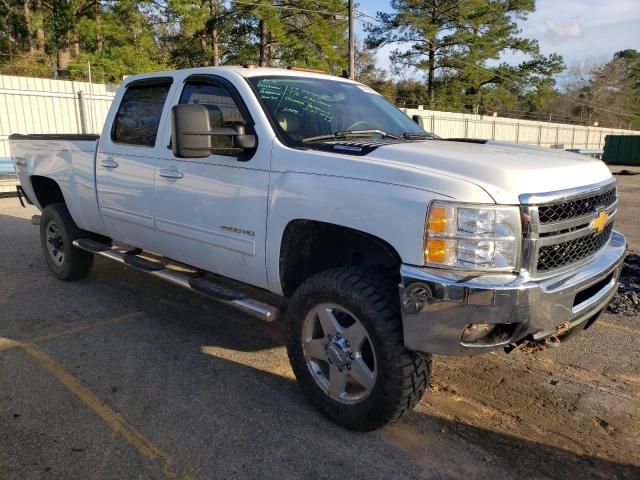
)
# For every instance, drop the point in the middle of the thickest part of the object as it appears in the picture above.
(437, 220)
(435, 250)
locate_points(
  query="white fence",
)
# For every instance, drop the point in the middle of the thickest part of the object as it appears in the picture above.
(35, 105)
(560, 135)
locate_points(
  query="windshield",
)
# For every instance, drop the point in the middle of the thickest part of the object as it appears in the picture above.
(304, 108)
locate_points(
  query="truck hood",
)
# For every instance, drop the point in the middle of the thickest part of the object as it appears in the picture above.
(503, 170)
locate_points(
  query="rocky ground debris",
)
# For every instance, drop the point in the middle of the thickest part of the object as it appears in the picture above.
(627, 298)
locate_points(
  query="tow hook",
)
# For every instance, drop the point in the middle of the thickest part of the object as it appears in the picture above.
(534, 346)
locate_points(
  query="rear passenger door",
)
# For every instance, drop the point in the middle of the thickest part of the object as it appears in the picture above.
(211, 212)
(126, 163)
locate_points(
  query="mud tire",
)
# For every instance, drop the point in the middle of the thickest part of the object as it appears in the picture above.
(402, 375)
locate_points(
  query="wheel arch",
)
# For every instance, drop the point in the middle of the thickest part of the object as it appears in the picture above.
(46, 191)
(311, 246)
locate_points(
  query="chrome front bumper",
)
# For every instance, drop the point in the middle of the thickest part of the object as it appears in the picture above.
(437, 304)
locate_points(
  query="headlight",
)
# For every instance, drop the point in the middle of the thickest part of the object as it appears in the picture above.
(470, 237)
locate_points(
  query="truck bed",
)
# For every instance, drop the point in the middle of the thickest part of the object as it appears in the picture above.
(67, 159)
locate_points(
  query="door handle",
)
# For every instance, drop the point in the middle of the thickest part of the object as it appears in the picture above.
(109, 162)
(170, 173)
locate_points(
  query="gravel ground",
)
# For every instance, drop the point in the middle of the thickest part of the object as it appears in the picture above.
(627, 299)
(123, 376)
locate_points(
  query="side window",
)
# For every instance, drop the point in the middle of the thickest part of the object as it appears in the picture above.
(223, 110)
(138, 116)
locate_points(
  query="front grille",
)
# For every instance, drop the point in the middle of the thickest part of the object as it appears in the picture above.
(558, 212)
(551, 257)
(561, 232)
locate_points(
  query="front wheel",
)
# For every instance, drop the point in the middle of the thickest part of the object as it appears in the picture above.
(347, 352)
(57, 232)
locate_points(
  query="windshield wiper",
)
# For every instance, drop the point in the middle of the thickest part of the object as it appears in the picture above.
(351, 133)
(419, 136)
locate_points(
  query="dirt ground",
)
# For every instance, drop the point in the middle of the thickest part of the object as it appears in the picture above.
(123, 376)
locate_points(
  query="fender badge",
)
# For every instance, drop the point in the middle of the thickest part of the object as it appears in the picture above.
(242, 231)
(600, 222)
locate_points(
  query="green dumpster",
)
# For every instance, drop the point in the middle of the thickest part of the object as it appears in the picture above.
(622, 150)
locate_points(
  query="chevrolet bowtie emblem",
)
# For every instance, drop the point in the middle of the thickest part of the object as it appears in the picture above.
(600, 222)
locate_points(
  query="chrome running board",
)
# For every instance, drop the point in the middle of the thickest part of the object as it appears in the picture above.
(205, 287)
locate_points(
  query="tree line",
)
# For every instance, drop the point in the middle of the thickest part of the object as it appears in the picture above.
(57, 38)
(449, 50)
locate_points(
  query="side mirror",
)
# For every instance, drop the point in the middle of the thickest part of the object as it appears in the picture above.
(191, 133)
(418, 120)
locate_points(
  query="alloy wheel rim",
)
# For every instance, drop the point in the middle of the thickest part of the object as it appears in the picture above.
(339, 353)
(55, 244)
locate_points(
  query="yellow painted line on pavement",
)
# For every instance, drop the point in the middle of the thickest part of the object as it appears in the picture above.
(118, 424)
(7, 344)
(82, 328)
(137, 440)
(615, 326)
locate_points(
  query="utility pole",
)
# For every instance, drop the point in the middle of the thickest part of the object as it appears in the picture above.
(352, 42)
(93, 128)
(215, 47)
(263, 58)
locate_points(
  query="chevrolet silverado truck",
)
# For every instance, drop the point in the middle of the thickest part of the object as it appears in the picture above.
(382, 243)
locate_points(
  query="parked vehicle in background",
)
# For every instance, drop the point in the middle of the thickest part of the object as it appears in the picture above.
(389, 244)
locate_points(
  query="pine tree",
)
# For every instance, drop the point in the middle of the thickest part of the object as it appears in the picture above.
(456, 43)
(117, 37)
(303, 33)
(201, 31)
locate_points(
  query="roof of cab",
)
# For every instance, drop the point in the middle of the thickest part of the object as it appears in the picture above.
(252, 71)
(243, 71)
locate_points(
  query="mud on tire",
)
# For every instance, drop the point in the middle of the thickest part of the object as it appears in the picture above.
(401, 375)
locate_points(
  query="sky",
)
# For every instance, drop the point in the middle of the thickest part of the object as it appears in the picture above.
(579, 30)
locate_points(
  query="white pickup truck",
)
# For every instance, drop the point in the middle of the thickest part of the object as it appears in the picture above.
(387, 243)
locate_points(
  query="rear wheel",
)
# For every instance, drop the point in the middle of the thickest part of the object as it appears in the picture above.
(57, 233)
(347, 352)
